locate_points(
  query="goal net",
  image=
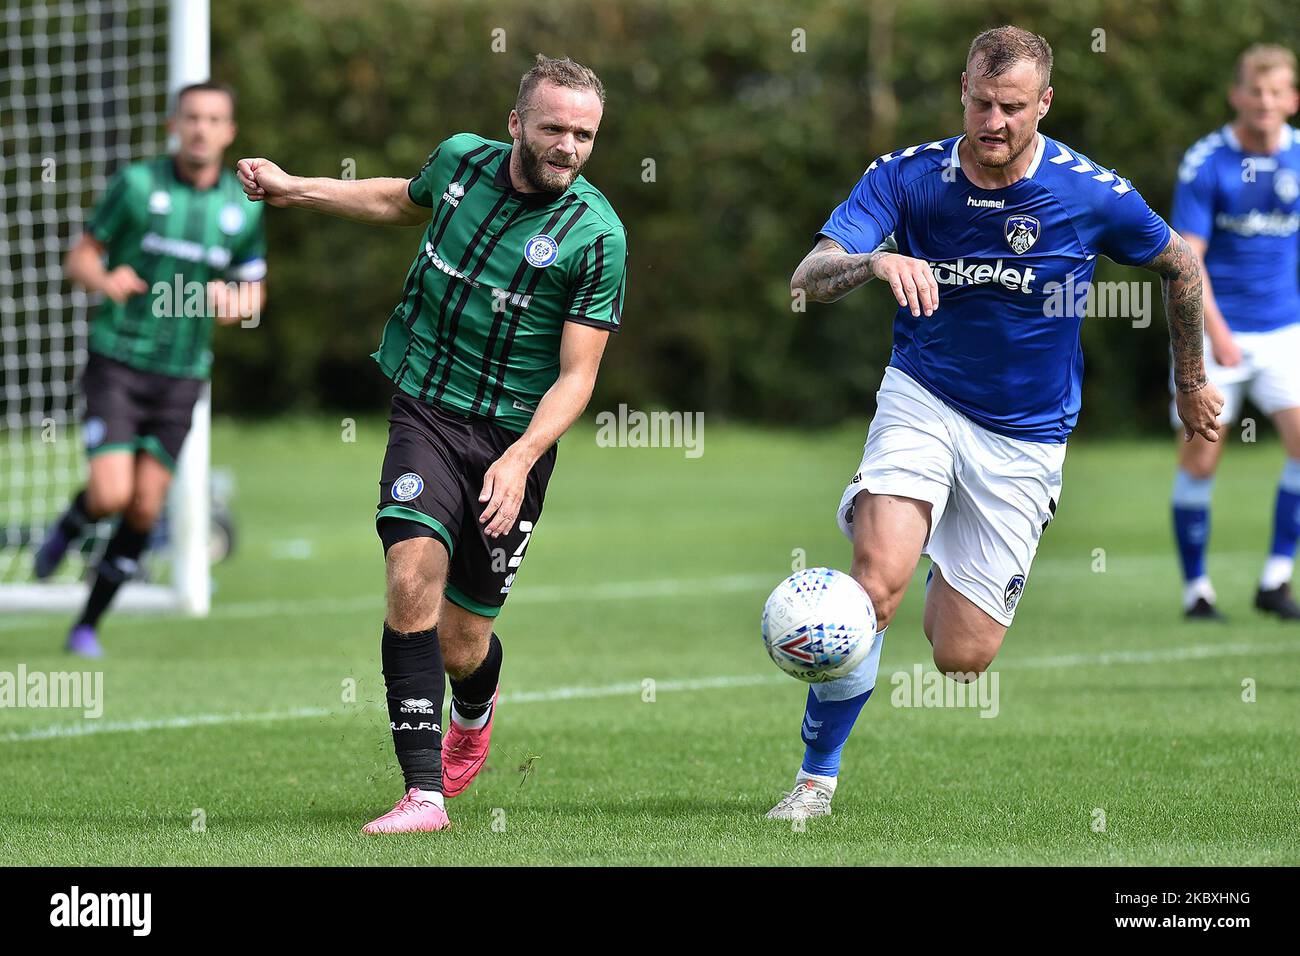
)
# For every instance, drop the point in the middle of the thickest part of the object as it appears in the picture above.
(83, 90)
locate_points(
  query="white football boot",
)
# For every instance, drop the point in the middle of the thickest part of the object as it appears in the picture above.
(809, 798)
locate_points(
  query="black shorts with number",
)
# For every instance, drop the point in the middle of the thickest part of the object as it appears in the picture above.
(128, 409)
(433, 473)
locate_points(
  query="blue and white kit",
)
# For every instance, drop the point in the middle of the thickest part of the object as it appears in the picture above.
(980, 397)
(1246, 206)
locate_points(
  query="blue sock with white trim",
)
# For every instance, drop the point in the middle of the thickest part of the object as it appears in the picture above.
(830, 713)
(1191, 506)
(1286, 528)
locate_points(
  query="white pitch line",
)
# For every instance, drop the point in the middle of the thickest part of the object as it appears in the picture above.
(628, 689)
(542, 594)
(1169, 655)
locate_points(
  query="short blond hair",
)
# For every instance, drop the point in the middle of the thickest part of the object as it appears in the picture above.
(997, 50)
(1263, 57)
(563, 72)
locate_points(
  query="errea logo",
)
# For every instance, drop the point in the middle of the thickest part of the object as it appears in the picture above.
(453, 194)
(418, 705)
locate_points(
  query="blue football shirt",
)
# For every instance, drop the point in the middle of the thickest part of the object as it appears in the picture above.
(1247, 208)
(1001, 348)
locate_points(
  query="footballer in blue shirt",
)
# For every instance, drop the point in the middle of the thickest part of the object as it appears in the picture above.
(976, 236)
(1237, 203)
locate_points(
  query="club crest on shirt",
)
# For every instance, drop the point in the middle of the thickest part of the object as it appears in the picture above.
(407, 486)
(1286, 185)
(541, 251)
(1015, 587)
(231, 219)
(159, 202)
(1022, 233)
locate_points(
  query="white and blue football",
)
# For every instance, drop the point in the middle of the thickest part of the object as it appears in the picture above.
(818, 625)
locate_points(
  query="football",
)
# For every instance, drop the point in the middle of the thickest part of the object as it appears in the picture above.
(818, 625)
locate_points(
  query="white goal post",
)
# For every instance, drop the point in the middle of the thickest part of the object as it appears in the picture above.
(84, 89)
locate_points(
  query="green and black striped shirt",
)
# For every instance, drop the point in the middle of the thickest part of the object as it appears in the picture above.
(176, 238)
(498, 274)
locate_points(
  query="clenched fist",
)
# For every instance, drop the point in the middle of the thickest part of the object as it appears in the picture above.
(263, 180)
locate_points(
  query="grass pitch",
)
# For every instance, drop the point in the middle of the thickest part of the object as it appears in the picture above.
(641, 722)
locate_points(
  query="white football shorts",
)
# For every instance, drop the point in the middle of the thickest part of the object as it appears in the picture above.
(1268, 374)
(991, 496)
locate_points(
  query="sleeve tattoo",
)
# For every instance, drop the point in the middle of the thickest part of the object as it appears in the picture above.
(1181, 284)
(829, 273)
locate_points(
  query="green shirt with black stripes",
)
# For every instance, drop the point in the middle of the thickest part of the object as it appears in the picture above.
(498, 273)
(177, 238)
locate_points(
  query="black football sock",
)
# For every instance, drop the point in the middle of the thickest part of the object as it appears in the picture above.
(472, 695)
(76, 518)
(416, 685)
(118, 565)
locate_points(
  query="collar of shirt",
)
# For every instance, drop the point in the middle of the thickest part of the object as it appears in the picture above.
(502, 180)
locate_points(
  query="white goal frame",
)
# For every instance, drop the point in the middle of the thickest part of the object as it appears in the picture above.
(189, 508)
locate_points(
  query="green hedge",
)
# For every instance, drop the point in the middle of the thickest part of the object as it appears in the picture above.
(752, 142)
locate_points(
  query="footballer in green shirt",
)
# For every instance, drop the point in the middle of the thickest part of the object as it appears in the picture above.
(493, 349)
(174, 246)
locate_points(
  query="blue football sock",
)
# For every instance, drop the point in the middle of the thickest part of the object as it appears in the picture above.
(831, 711)
(1280, 565)
(1191, 505)
(1286, 513)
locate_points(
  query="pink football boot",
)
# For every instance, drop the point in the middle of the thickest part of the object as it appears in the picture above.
(410, 815)
(464, 751)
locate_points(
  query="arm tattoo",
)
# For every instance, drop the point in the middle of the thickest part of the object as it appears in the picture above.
(1180, 280)
(829, 273)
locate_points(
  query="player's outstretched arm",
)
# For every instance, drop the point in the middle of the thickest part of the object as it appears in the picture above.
(1199, 402)
(581, 347)
(377, 201)
(829, 273)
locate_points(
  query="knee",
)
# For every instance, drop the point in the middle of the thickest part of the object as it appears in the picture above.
(885, 595)
(412, 598)
(142, 512)
(104, 501)
(460, 656)
(964, 662)
(1200, 467)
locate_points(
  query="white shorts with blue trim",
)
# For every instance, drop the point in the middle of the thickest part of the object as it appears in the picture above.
(991, 496)
(1268, 374)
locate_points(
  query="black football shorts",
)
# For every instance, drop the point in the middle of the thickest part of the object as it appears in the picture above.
(128, 409)
(430, 483)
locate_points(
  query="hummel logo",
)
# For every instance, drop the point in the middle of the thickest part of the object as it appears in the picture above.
(985, 203)
(452, 196)
(810, 727)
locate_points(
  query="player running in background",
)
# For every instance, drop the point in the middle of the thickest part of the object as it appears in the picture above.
(494, 348)
(1237, 203)
(168, 233)
(963, 457)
